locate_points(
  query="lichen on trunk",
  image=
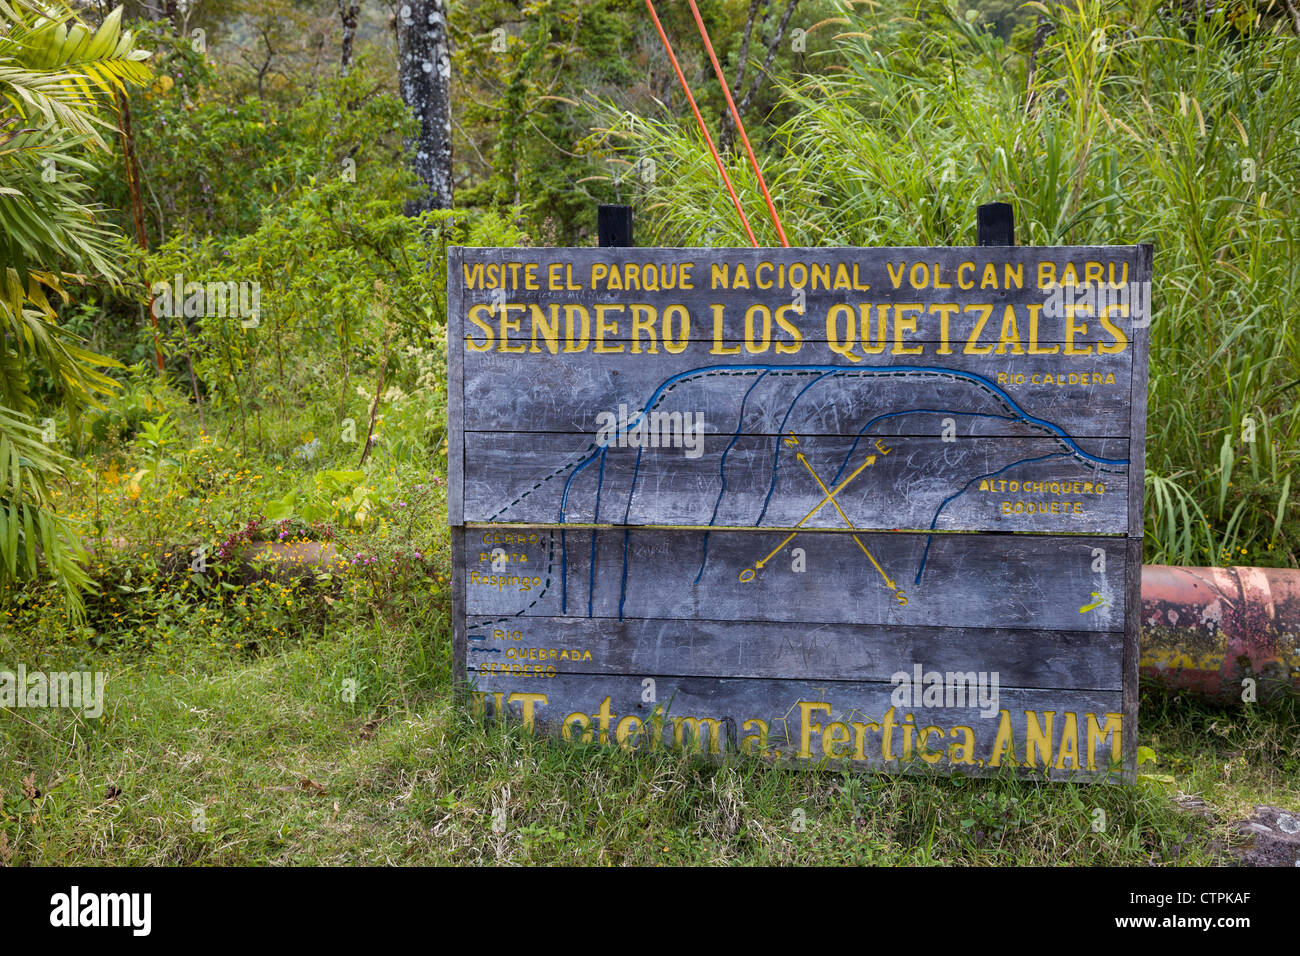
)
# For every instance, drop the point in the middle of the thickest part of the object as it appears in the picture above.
(424, 75)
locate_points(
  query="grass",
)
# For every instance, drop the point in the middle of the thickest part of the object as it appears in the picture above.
(310, 721)
(236, 758)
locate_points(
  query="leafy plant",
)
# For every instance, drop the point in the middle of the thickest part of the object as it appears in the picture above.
(1130, 121)
(55, 74)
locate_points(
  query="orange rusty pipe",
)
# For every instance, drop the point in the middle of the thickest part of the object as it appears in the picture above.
(1205, 630)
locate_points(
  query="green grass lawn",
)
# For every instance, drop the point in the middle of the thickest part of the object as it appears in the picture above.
(231, 757)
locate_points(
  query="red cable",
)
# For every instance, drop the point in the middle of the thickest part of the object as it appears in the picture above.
(735, 114)
(703, 129)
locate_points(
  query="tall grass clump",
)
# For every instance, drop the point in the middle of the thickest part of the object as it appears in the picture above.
(1123, 122)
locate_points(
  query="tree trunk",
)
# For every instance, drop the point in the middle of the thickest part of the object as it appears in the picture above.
(1295, 16)
(137, 207)
(1042, 30)
(743, 59)
(348, 11)
(728, 125)
(424, 75)
(772, 47)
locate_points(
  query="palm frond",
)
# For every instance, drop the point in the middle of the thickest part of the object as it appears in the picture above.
(57, 75)
(59, 71)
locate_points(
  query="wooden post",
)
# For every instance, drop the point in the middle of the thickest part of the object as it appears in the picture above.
(614, 226)
(995, 225)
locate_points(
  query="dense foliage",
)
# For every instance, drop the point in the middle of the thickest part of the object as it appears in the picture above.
(304, 418)
(1131, 122)
(55, 76)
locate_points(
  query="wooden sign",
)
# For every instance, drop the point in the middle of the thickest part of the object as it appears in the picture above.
(880, 507)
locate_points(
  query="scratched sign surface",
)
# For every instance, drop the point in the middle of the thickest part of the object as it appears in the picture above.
(879, 507)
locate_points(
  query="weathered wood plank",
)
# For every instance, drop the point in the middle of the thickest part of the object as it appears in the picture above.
(1137, 486)
(827, 395)
(533, 647)
(1138, 419)
(456, 381)
(947, 580)
(1129, 655)
(992, 393)
(698, 276)
(459, 630)
(967, 484)
(806, 722)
